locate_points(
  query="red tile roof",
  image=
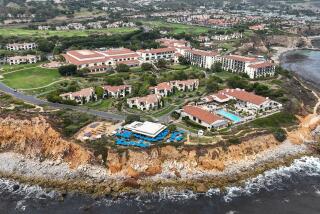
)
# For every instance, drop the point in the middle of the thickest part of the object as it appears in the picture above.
(85, 54)
(158, 50)
(243, 95)
(203, 53)
(162, 86)
(115, 88)
(129, 62)
(201, 114)
(220, 96)
(261, 65)
(151, 98)
(86, 92)
(119, 51)
(241, 58)
(74, 61)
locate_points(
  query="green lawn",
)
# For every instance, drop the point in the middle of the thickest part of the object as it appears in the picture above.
(225, 75)
(101, 104)
(177, 28)
(31, 78)
(8, 68)
(164, 111)
(179, 67)
(6, 32)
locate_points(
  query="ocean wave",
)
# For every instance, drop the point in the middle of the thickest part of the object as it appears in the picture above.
(274, 179)
(25, 190)
(172, 194)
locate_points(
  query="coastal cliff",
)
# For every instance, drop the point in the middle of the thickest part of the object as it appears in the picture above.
(35, 143)
(35, 138)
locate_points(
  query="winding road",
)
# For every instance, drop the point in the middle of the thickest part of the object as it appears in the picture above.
(36, 101)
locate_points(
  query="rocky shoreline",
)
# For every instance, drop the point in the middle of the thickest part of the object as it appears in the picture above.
(97, 181)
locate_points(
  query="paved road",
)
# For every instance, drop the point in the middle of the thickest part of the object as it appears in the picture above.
(37, 101)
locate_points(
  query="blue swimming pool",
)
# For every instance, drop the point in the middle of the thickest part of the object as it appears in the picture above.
(230, 116)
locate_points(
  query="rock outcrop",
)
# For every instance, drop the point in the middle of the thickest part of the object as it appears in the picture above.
(35, 138)
(289, 41)
(170, 159)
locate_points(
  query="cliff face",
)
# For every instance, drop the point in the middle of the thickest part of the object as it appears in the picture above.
(36, 139)
(288, 41)
(183, 161)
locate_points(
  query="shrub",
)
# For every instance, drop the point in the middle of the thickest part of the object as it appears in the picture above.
(146, 66)
(172, 127)
(234, 141)
(175, 115)
(67, 70)
(280, 134)
(122, 68)
(131, 118)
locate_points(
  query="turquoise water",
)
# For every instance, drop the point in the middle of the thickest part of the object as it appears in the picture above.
(229, 116)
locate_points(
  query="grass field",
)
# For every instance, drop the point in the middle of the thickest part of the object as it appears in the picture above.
(9, 68)
(6, 32)
(31, 78)
(164, 111)
(101, 104)
(177, 28)
(225, 75)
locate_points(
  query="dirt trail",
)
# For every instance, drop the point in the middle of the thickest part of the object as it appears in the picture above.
(307, 123)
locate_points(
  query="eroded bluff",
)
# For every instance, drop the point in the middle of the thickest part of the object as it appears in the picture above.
(184, 161)
(35, 138)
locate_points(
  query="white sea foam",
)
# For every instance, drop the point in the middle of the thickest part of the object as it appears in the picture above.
(25, 190)
(275, 178)
(172, 194)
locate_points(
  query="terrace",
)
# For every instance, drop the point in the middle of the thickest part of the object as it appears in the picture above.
(145, 134)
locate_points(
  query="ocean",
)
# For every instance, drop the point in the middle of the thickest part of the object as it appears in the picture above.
(305, 63)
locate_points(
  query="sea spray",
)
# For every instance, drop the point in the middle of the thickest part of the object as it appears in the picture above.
(275, 179)
(25, 190)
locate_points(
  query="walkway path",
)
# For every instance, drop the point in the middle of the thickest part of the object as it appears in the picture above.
(41, 87)
(10, 72)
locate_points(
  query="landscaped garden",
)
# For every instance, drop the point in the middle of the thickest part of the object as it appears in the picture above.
(33, 77)
(7, 32)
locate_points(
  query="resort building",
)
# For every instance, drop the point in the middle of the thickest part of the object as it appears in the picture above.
(203, 59)
(28, 59)
(261, 69)
(252, 66)
(248, 101)
(102, 61)
(185, 85)
(21, 46)
(163, 89)
(145, 103)
(123, 56)
(203, 117)
(153, 55)
(117, 91)
(83, 96)
(217, 97)
(148, 129)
